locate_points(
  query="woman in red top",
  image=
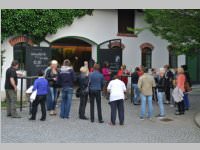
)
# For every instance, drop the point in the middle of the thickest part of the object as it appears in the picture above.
(180, 82)
(123, 71)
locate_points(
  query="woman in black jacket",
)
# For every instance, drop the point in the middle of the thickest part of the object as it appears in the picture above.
(83, 82)
(51, 76)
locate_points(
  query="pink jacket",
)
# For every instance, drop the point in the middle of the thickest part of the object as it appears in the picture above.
(106, 74)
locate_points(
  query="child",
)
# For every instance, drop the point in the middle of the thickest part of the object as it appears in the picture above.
(41, 85)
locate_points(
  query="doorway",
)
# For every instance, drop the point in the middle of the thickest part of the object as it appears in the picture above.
(76, 50)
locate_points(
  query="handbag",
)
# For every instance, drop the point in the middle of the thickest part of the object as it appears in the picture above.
(187, 87)
(78, 92)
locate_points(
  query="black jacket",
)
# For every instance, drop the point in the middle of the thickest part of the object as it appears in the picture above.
(134, 78)
(187, 76)
(169, 76)
(160, 83)
(49, 76)
(83, 83)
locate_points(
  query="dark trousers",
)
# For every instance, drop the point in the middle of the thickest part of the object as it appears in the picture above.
(95, 95)
(154, 96)
(181, 106)
(167, 94)
(83, 103)
(117, 105)
(40, 99)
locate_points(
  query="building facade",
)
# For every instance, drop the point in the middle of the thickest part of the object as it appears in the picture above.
(87, 32)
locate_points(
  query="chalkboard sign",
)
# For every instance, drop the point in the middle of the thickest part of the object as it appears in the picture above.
(37, 58)
(112, 56)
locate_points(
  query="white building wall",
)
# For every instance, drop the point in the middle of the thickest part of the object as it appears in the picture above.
(103, 26)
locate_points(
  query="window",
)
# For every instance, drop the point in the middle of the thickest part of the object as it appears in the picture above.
(172, 59)
(146, 57)
(126, 18)
(20, 54)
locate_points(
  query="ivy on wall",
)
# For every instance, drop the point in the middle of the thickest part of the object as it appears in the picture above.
(37, 23)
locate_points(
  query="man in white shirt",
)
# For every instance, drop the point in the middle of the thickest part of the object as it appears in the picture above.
(117, 89)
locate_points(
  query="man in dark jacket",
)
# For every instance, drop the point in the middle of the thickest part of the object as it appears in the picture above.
(187, 76)
(95, 86)
(66, 77)
(160, 84)
(135, 78)
(169, 76)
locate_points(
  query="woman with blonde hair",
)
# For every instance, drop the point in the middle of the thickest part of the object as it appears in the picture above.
(84, 91)
(180, 82)
(51, 76)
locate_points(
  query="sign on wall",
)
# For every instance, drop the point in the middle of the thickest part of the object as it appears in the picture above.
(37, 58)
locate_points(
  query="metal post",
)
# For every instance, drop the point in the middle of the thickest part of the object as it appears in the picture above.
(131, 91)
(21, 93)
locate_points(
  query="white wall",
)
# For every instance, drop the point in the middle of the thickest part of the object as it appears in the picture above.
(103, 26)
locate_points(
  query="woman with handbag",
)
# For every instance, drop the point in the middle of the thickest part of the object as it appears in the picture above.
(84, 82)
(180, 84)
(51, 76)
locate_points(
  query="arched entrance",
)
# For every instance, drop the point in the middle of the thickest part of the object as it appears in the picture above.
(76, 49)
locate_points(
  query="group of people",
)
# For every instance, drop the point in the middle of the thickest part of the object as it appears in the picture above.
(92, 81)
(157, 85)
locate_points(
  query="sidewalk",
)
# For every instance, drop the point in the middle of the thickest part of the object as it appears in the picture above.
(196, 91)
(197, 119)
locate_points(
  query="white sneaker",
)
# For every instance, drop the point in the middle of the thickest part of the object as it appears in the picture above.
(171, 105)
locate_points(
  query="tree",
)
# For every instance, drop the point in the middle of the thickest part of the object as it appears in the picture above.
(37, 23)
(180, 27)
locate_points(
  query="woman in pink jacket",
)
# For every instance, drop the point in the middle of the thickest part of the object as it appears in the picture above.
(180, 82)
(106, 73)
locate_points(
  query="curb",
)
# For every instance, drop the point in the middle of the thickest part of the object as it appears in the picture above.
(196, 120)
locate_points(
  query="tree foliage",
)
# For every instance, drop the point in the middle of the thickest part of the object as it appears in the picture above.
(37, 23)
(180, 27)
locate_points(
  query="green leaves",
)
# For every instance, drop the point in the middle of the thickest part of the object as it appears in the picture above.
(180, 27)
(37, 23)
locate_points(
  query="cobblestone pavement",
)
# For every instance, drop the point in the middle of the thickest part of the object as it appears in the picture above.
(180, 129)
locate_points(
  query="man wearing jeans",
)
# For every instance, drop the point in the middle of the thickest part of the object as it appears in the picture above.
(145, 84)
(65, 80)
(95, 86)
(135, 78)
(11, 90)
(160, 84)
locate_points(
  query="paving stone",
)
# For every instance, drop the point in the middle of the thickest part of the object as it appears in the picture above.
(56, 130)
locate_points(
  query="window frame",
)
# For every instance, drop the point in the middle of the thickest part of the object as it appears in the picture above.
(128, 21)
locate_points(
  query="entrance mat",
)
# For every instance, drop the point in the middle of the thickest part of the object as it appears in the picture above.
(166, 119)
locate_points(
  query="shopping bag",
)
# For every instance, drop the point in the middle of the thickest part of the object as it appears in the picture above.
(33, 96)
(29, 90)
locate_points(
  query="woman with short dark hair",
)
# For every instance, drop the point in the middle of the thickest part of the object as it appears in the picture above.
(41, 85)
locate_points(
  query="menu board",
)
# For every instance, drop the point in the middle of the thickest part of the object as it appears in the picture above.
(37, 58)
(112, 56)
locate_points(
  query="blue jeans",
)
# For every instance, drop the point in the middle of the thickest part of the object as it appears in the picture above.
(66, 102)
(136, 93)
(48, 100)
(186, 101)
(51, 98)
(143, 106)
(160, 102)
